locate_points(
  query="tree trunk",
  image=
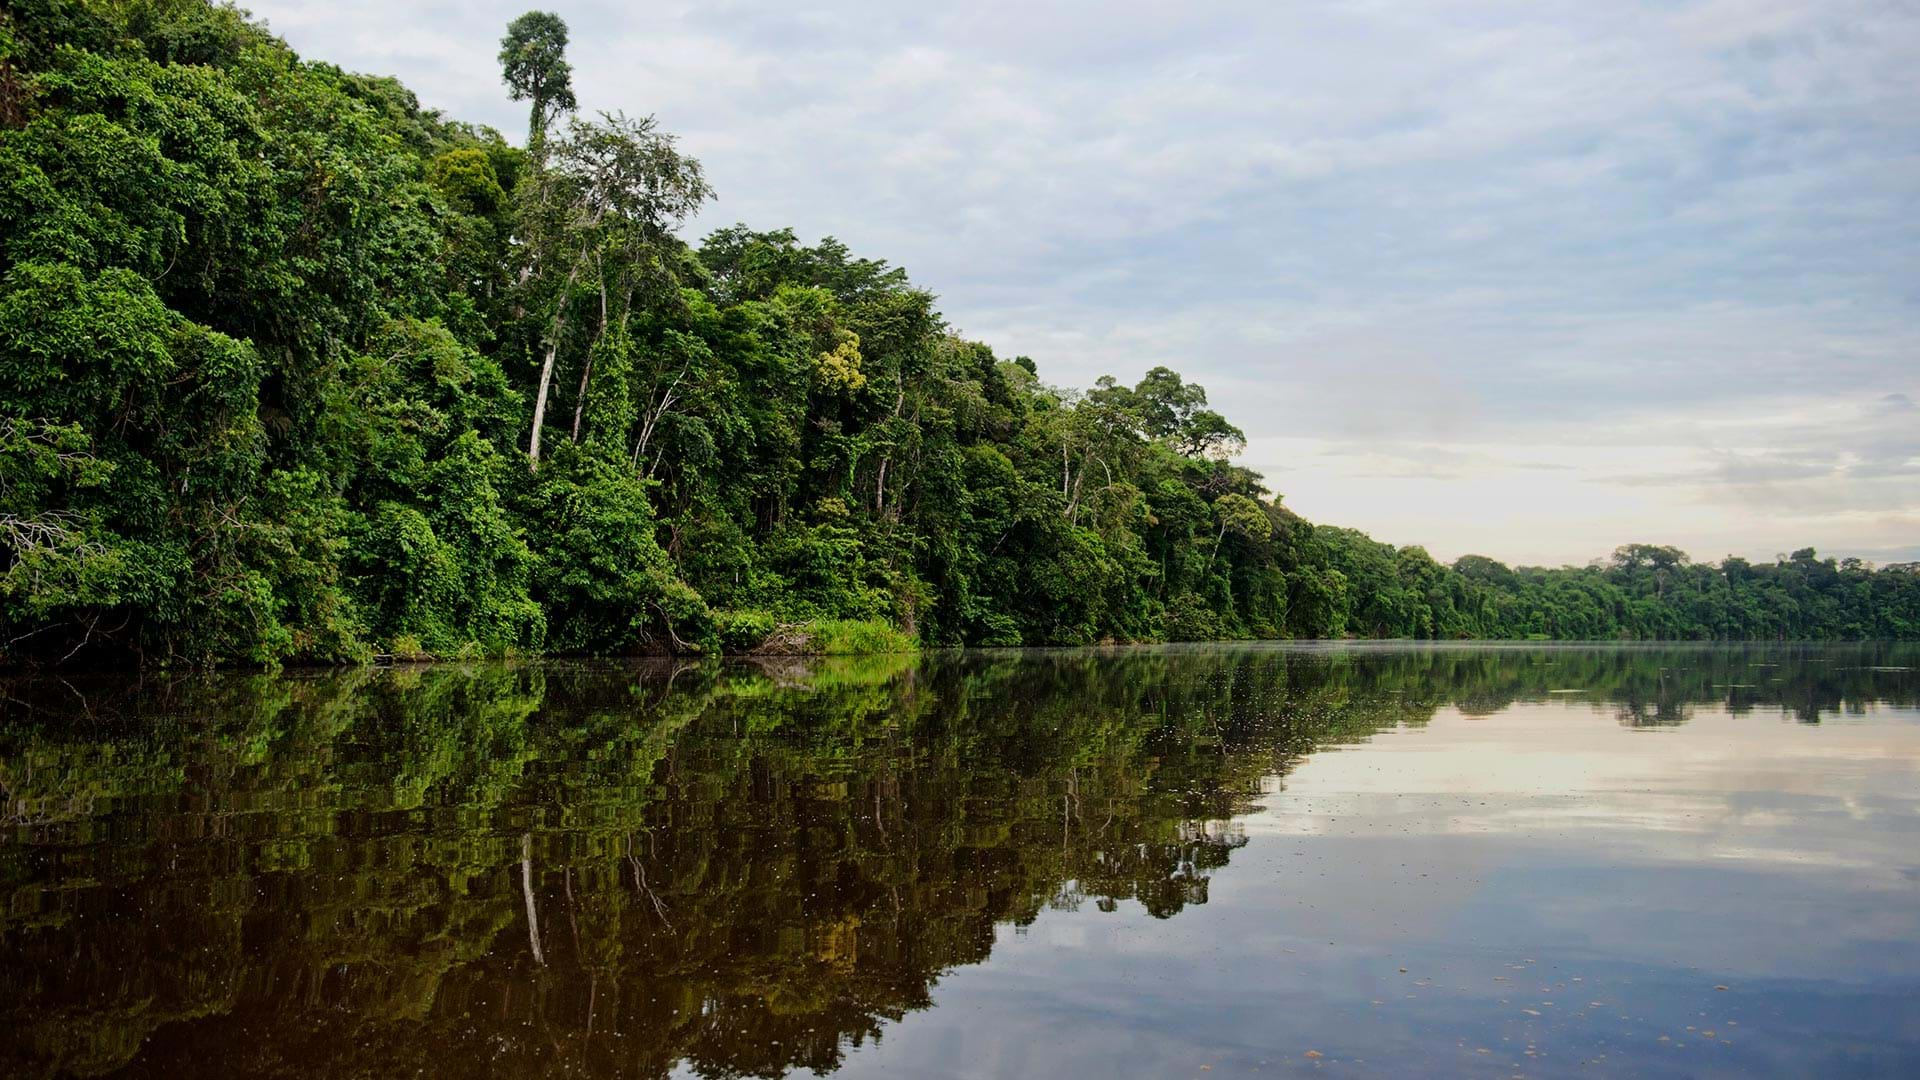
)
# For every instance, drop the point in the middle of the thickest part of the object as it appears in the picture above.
(586, 372)
(580, 403)
(546, 369)
(654, 413)
(1073, 500)
(540, 402)
(880, 487)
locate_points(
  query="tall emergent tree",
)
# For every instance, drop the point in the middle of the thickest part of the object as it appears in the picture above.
(533, 61)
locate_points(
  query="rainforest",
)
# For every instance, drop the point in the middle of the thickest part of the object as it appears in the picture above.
(293, 370)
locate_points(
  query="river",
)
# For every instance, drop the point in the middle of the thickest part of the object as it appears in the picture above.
(1186, 861)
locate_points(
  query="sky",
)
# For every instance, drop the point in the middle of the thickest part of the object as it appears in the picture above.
(1527, 279)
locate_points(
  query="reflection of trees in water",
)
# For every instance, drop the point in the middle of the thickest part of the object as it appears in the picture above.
(1648, 685)
(496, 869)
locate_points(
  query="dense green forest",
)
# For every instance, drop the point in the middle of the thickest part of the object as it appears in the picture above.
(292, 369)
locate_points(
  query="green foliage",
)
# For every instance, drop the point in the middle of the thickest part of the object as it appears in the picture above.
(533, 63)
(466, 177)
(294, 370)
(743, 631)
(601, 576)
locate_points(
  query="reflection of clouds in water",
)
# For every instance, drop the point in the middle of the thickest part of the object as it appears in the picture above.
(1723, 789)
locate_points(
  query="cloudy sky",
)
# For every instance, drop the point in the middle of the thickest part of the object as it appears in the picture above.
(1530, 279)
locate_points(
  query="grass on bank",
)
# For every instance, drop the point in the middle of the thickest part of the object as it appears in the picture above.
(756, 632)
(736, 633)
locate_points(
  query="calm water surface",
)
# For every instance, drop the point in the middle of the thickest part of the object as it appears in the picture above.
(1186, 862)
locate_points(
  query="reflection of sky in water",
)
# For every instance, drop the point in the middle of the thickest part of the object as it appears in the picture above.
(1564, 893)
(1406, 860)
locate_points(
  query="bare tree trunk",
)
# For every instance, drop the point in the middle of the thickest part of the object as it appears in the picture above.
(546, 368)
(540, 402)
(880, 487)
(654, 413)
(580, 403)
(1073, 504)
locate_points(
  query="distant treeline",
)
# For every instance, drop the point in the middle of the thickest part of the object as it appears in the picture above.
(294, 370)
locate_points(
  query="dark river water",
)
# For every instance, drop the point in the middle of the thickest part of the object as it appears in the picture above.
(1178, 862)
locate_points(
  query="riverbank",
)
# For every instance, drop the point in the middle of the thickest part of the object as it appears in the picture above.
(748, 633)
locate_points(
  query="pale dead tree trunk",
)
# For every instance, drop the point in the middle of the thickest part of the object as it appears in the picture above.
(526, 890)
(1073, 505)
(586, 372)
(880, 487)
(540, 402)
(580, 404)
(1216, 546)
(654, 413)
(546, 368)
(1075, 490)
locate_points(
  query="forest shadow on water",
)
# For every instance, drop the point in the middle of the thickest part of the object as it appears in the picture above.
(746, 869)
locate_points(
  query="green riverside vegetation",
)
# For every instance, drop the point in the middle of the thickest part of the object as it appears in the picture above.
(293, 370)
